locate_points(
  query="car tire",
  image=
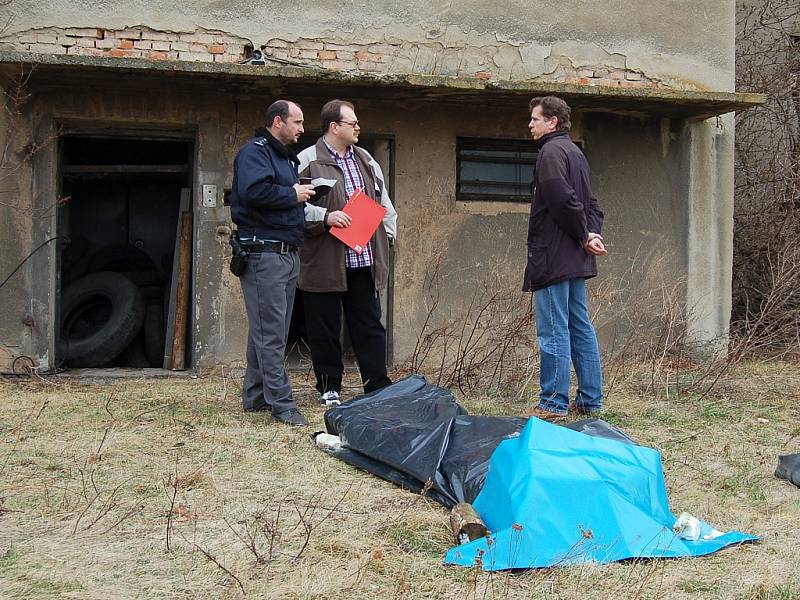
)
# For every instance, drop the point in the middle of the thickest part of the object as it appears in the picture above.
(101, 315)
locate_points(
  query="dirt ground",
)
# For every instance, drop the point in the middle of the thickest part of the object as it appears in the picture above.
(163, 488)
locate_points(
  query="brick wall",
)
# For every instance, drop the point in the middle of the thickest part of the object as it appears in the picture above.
(134, 42)
(502, 62)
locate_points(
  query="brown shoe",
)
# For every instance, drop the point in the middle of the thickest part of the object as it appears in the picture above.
(546, 415)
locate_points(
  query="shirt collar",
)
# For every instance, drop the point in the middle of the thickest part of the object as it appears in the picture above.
(347, 153)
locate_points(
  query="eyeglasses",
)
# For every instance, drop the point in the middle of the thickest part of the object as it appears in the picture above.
(352, 124)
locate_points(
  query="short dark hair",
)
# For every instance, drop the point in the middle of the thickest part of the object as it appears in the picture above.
(553, 106)
(332, 112)
(279, 108)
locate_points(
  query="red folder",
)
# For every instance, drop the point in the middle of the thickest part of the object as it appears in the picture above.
(366, 215)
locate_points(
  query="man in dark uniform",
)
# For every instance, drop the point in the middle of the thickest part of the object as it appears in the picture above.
(267, 203)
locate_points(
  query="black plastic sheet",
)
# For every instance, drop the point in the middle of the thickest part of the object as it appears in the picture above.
(416, 435)
(789, 468)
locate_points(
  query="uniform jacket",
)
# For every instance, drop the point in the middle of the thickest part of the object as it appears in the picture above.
(322, 264)
(563, 212)
(263, 200)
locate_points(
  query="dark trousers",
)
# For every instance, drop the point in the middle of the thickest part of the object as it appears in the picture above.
(362, 312)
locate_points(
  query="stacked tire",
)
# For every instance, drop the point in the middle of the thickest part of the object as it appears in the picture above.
(112, 312)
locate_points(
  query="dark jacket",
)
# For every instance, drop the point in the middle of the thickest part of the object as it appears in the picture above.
(263, 201)
(322, 258)
(563, 212)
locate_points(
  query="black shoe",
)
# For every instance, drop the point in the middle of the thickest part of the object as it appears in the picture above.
(291, 417)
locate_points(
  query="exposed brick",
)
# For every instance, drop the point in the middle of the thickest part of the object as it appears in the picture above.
(362, 55)
(343, 47)
(179, 46)
(105, 43)
(48, 49)
(83, 51)
(483, 75)
(276, 43)
(633, 76)
(158, 35)
(15, 46)
(125, 44)
(227, 58)
(198, 38)
(85, 42)
(583, 81)
(120, 53)
(281, 53)
(585, 73)
(160, 45)
(294, 52)
(26, 37)
(84, 32)
(617, 75)
(309, 54)
(46, 38)
(326, 55)
(129, 34)
(198, 48)
(142, 44)
(65, 40)
(194, 56)
(155, 55)
(372, 66)
(216, 49)
(338, 65)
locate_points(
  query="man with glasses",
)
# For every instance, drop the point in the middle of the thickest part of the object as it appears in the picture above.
(267, 205)
(332, 276)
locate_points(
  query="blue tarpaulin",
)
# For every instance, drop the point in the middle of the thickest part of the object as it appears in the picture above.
(554, 496)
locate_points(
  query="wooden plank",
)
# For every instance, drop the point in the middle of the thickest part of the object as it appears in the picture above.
(170, 325)
(182, 294)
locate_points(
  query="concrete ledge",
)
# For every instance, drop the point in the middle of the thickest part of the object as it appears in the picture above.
(314, 81)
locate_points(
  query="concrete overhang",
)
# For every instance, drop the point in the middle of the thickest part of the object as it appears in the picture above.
(277, 80)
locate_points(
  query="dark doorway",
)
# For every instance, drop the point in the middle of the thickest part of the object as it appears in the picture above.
(127, 198)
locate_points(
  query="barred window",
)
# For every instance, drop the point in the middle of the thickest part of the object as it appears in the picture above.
(494, 170)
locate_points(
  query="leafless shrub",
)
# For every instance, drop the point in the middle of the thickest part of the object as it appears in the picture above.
(486, 341)
(767, 210)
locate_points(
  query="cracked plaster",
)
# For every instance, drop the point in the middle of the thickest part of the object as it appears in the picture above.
(668, 41)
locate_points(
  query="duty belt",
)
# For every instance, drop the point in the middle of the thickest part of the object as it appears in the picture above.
(255, 246)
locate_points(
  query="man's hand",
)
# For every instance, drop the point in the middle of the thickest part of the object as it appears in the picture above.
(337, 218)
(594, 245)
(304, 192)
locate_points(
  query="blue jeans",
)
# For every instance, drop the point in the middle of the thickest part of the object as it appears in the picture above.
(566, 334)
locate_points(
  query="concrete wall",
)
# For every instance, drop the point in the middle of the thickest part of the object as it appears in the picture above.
(640, 175)
(671, 43)
(665, 185)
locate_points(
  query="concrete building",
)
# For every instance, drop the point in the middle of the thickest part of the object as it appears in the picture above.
(114, 108)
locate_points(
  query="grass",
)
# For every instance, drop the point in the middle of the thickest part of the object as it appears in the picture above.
(165, 489)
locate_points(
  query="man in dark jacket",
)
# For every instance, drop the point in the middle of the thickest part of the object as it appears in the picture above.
(563, 241)
(267, 204)
(332, 276)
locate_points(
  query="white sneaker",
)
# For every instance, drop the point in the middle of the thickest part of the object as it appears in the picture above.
(330, 398)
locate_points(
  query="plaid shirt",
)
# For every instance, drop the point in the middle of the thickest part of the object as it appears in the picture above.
(353, 180)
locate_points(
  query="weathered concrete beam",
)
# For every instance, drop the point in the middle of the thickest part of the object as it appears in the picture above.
(695, 105)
